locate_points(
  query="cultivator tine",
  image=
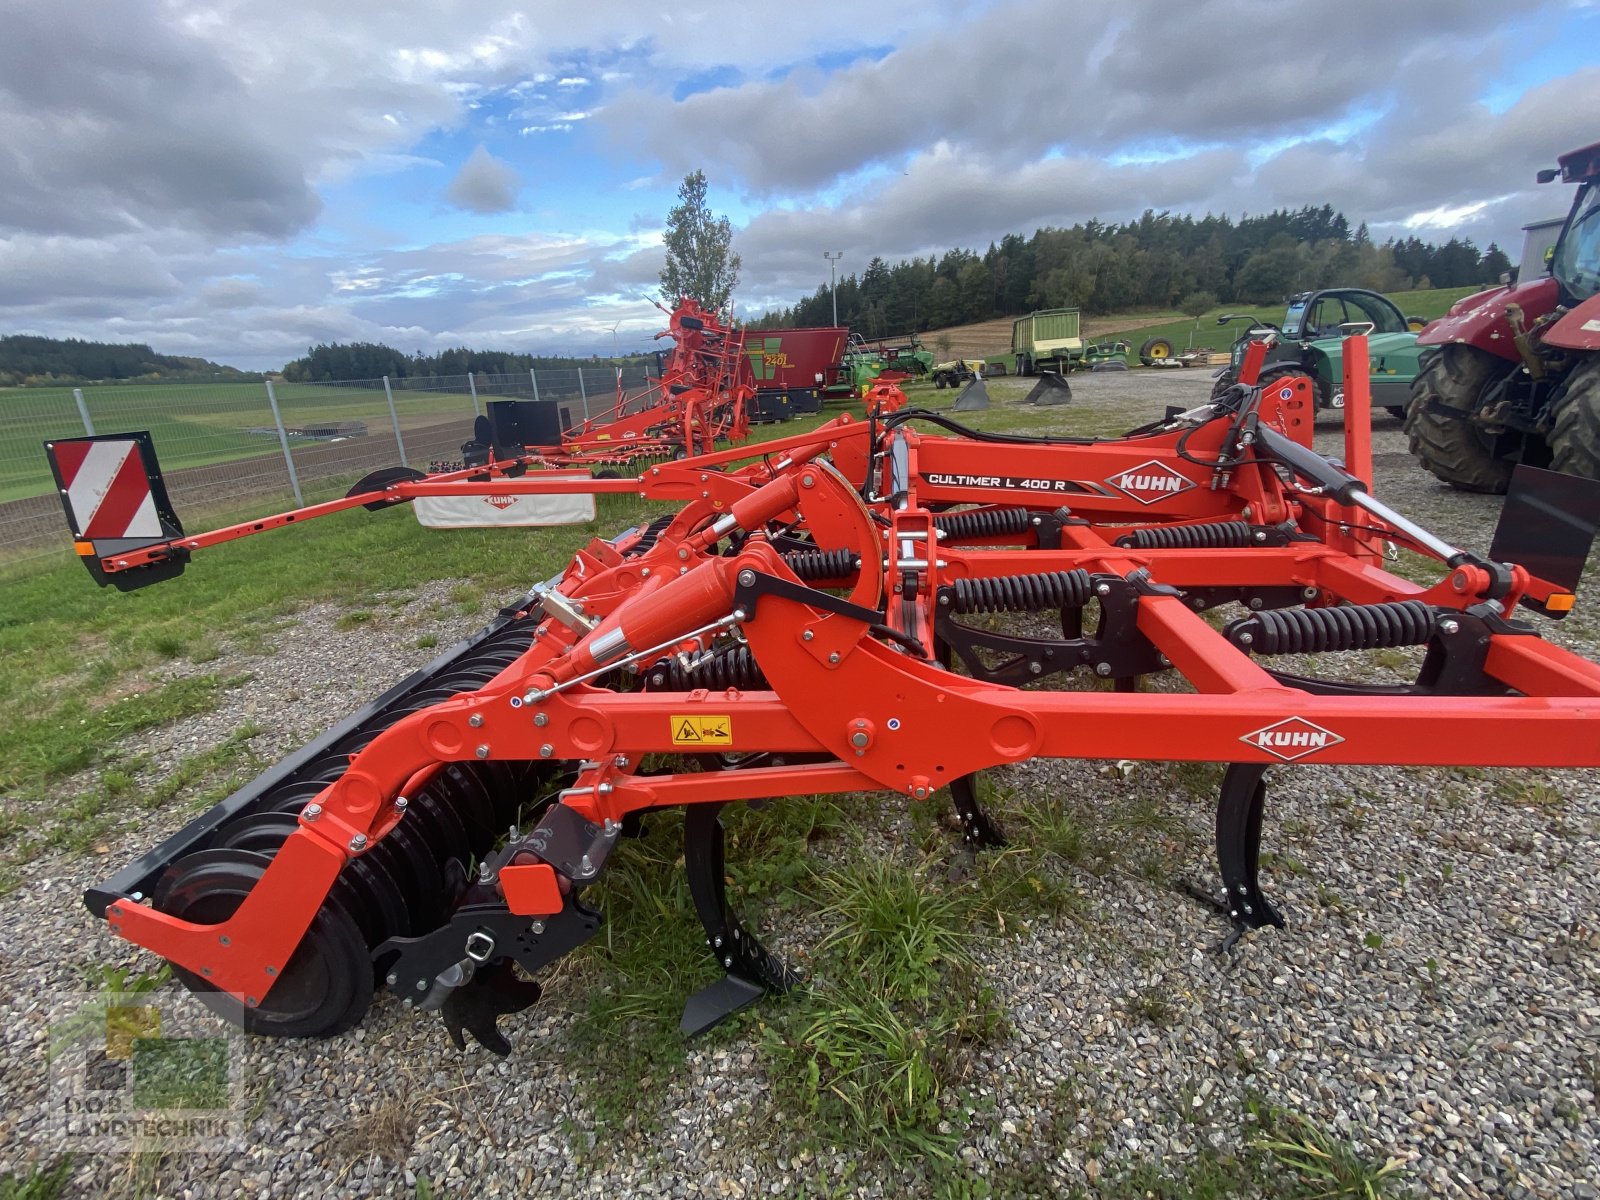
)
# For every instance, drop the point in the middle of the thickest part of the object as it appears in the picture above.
(977, 827)
(751, 970)
(1240, 806)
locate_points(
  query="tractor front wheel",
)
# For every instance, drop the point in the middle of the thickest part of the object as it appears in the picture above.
(1575, 428)
(1450, 446)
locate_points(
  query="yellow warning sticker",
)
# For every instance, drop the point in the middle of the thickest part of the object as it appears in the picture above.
(702, 731)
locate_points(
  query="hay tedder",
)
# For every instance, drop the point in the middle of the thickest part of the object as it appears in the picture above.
(890, 604)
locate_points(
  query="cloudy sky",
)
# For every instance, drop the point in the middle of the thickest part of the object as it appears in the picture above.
(241, 178)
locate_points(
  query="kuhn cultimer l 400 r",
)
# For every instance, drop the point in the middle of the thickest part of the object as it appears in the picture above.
(803, 624)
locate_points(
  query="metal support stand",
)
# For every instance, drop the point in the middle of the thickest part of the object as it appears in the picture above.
(283, 440)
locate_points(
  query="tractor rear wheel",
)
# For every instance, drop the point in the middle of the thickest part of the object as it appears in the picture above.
(1451, 447)
(1575, 428)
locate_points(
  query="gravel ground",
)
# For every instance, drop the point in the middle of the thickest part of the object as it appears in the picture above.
(1434, 996)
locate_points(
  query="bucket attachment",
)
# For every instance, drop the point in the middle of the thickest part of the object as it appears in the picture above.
(973, 397)
(1051, 389)
(116, 502)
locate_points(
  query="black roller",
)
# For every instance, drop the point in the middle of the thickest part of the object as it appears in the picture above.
(323, 990)
(1042, 592)
(1348, 627)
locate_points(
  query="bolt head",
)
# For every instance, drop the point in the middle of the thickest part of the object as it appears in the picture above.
(1102, 669)
(475, 720)
(359, 842)
(541, 719)
(746, 578)
(807, 636)
(1103, 589)
(859, 739)
(834, 657)
(482, 751)
(422, 985)
(537, 927)
(546, 750)
(312, 812)
(225, 940)
(272, 970)
(1449, 626)
(391, 979)
(401, 804)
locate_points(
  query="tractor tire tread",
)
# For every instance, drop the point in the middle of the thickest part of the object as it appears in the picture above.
(1447, 447)
(1575, 426)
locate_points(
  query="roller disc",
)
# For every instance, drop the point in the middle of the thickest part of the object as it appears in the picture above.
(323, 990)
(365, 887)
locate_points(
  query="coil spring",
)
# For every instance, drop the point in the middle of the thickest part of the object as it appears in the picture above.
(983, 522)
(730, 667)
(1212, 534)
(652, 533)
(822, 564)
(1021, 593)
(1350, 627)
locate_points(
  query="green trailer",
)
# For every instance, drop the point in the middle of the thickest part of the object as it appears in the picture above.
(1048, 340)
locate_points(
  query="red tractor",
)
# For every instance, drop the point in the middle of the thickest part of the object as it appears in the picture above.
(1515, 377)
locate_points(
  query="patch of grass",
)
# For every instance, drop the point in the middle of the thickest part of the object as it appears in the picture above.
(354, 620)
(876, 1052)
(76, 733)
(892, 926)
(1321, 1166)
(43, 1183)
(427, 641)
(1289, 1158)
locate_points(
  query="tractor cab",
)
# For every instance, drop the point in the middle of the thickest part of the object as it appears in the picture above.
(1576, 261)
(1312, 316)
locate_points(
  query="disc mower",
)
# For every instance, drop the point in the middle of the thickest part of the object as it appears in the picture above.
(892, 604)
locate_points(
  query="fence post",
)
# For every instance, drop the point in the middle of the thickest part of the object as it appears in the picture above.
(395, 418)
(535, 380)
(83, 411)
(472, 386)
(283, 440)
(584, 392)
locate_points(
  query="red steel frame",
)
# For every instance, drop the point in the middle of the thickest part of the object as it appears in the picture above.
(889, 720)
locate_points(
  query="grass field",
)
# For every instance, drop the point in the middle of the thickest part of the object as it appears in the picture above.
(196, 425)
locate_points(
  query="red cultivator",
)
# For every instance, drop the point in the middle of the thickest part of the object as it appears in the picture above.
(701, 400)
(834, 618)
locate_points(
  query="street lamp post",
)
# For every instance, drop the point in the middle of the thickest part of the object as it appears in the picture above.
(833, 286)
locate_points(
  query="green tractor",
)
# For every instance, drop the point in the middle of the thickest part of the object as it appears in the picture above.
(1311, 342)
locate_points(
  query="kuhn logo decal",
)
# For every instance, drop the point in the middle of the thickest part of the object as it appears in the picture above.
(500, 502)
(1150, 481)
(1292, 738)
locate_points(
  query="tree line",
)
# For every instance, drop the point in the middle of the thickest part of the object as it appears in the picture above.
(26, 359)
(335, 361)
(1160, 261)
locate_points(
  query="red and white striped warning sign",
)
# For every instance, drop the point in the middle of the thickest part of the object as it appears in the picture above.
(107, 489)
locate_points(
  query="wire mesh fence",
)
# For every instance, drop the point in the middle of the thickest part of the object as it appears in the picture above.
(228, 445)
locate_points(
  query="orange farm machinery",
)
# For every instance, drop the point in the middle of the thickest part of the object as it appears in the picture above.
(890, 604)
(701, 400)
